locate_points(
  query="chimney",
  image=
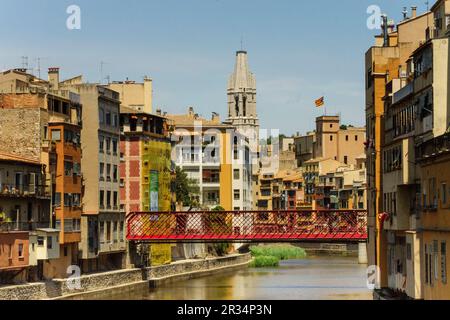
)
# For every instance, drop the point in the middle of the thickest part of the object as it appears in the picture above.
(158, 112)
(215, 117)
(385, 31)
(53, 78)
(413, 12)
(191, 111)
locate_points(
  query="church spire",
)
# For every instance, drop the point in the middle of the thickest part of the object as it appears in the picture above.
(242, 89)
(242, 100)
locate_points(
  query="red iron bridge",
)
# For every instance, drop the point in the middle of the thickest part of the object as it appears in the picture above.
(248, 226)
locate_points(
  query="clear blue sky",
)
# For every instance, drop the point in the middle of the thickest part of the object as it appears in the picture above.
(299, 50)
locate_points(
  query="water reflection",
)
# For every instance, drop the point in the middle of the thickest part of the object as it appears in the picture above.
(307, 279)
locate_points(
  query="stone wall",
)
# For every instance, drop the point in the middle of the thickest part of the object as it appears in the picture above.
(34, 291)
(20, 132)
(195, 265)
(60, 288)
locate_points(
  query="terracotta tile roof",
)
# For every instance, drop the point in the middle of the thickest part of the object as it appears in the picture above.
(189, 120)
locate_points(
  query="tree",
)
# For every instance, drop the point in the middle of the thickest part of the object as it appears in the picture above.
(217, 223)
(186, 189)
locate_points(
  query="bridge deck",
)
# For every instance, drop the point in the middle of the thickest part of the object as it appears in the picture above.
(243, 226)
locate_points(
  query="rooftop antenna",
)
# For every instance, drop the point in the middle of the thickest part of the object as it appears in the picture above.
(102, 63)
(24, 62)
(39, 60)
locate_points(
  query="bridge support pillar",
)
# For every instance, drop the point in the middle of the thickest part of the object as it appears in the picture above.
(362, 253)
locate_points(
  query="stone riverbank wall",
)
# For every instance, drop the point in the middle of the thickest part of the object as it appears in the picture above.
(94, 286)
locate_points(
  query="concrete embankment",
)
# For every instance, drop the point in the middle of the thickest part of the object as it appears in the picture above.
(312, 249)
(99, 285)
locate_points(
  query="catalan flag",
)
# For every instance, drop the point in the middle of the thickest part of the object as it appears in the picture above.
(320, 102)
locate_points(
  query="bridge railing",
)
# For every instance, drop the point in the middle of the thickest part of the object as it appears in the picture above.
(247, 225)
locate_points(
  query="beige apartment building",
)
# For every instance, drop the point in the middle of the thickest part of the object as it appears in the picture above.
(414, 115)
(134, 95)
(103, 224)
(312, 171)
(385, 61)
(304, 147)
(343, 144)
(41, 123)
(330, 140)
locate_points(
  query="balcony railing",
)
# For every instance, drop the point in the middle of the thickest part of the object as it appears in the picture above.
(22, 226)
(211, 180)
(434, 147)
(20, 190)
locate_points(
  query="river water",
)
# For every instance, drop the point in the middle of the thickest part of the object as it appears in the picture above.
(313, 278)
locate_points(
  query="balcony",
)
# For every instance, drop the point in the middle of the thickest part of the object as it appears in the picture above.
(22, 226)
(403, 93)
(434, 147)
(20, 190)
(48, 146)
(211, 203)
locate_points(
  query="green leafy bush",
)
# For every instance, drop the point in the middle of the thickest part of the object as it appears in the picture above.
(281, 252)
(264, 261)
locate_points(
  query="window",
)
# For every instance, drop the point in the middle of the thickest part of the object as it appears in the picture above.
(435, 255)
(108, 231)
(115, 120)
(392, 159)
(102, 199)
(20, 250)
(432, 193)
(237, 194)
(77, 169)
(68, 168)
(108, 199)
(115, 199)
(72, 200)
(331, 138)
(346, 138)
(444, 194)
(101, 116)
(49, 242)
(40, 241)
(108, 145)
(57, 200)
(115, 173)
(101, 144)
(102, 171)
(444, 262)
(108, 172)
(236, 174)
(121, 235)
(102, 232)
(115, 235)
(345, 159)
(356, 138)
(114, 146)
(108, 118)
(56, 135)
(408, 251)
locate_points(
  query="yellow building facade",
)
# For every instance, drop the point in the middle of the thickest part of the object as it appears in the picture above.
(435, 163)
